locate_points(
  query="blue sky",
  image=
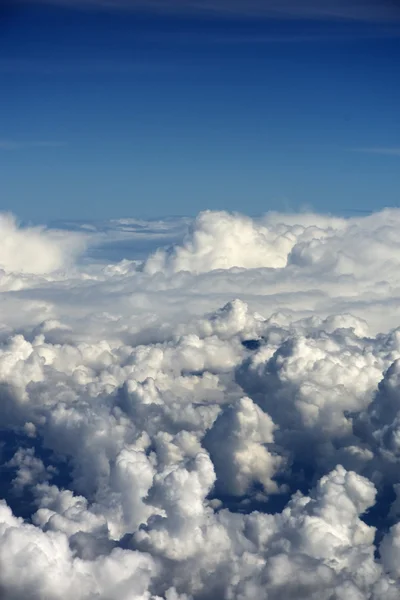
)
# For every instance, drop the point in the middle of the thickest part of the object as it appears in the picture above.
(122, 111)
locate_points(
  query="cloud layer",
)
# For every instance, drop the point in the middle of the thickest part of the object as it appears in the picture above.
(217, 420)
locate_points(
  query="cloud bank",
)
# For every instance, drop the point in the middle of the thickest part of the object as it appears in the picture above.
(219, 419)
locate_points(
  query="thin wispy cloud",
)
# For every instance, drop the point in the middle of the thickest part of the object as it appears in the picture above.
(9, 144)
(387, 151)
(311, 38)
(357, 10)
(47, 67)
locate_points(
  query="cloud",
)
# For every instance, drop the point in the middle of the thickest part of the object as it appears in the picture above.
(218, 418)
(9, 144)
(357, 10)
(35, 250)
(379, 150)
(222, 241)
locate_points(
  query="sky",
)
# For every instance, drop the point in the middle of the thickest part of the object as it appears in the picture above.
(132, 108)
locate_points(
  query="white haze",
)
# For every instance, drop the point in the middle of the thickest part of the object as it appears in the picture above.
(217, 420)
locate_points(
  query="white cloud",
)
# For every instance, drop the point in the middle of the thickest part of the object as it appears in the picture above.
(363, 10)
(385, 151)
(35, 250)
(10, 144)
(219, 240)
(218, 420)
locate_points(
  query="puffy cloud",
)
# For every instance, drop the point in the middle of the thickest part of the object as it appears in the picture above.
(222, 241)
(217, 420)
(35, 250)
(243, 459)
(42, 565)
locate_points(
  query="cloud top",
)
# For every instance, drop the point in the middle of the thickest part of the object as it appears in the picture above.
(220, 240)
(34, 249)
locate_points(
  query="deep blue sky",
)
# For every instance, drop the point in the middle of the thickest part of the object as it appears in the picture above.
(119, 113)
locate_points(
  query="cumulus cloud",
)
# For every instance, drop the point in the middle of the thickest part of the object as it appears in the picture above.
(35, 250)
(218, 419)
(222, 241)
